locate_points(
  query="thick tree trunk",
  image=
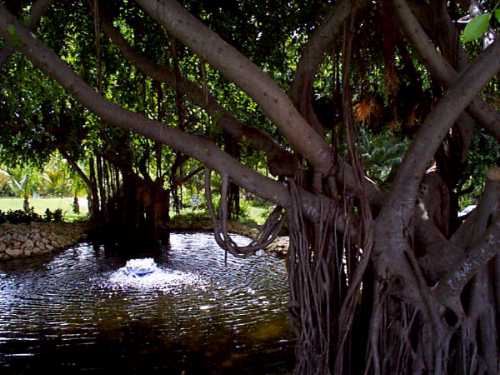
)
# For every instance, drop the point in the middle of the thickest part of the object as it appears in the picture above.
(139, 214)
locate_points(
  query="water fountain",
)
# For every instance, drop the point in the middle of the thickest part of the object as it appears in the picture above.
(192, 311)
(140, 267)
(144, 273)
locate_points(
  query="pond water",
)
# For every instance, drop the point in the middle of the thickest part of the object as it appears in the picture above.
(84, 310)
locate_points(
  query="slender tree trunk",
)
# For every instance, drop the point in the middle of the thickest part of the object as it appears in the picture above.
(76, 204)
(101, 187)
(26, 202)
(232, 147)
(94, 203)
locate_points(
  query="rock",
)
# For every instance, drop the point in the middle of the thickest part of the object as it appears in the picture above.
(36, 250)
(36, 238)
(15, 252)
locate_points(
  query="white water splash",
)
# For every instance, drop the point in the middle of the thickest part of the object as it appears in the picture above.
(145, 274)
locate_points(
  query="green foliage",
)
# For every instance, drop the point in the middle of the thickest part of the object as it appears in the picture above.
(55, 216)
(53, 204)
(22, 180)
(382, 153)
(254, 211)
(5, 190)
(37, 117)
(56, 179)
(26, 217)
(478, 163)
(476, 27)
(19, 217)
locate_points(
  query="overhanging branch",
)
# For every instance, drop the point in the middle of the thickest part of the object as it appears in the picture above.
(38, 9)
(239, 69)
(314, 50)
(198, 147)
(195, 93)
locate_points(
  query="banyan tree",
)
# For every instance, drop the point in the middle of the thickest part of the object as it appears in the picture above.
(385, 276)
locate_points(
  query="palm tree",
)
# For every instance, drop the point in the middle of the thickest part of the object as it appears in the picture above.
(22, 181)
(57, 180)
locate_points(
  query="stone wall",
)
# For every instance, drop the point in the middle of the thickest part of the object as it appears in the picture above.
(24, 240)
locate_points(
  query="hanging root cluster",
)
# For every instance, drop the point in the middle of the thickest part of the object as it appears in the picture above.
(346, 306)
(326, 273)
(266, 235)
(313, 286)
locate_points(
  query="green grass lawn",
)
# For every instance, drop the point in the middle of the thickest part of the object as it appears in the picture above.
(254, 214)
(258, 214)
(41, 204)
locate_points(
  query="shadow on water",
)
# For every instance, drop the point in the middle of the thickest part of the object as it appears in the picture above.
(77, 311)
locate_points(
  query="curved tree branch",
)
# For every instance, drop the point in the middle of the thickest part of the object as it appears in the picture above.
(198, 147)
(79, 171)
(451, 285)
(258, 138)
(441, 69)
(285, 161)
(38, 9)
(436, 126)
(237, 68)
(314, 50)
(312, 56)
(484, 238)
(393, 225)
(281, 162)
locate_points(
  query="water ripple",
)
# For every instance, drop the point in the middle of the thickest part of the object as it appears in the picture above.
(80, 306)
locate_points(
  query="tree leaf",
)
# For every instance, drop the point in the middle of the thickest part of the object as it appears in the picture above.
(476, 28)
(497, 14)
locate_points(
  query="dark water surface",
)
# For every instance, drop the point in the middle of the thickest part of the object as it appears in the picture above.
(76, 312)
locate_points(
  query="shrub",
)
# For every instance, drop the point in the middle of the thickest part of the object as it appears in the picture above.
(48, 216)
(19, 216)
(55, 216)
(26, 217)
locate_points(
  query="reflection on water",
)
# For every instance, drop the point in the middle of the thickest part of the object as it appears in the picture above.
(84, 311)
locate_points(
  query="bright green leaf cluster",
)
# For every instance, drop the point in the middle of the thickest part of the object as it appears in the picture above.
(477, 27)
